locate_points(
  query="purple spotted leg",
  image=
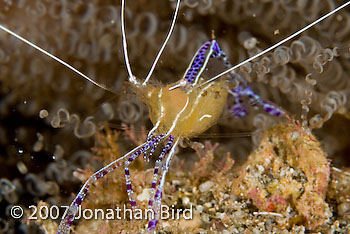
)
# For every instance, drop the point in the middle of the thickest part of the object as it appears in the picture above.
(156, 204)
(156, 169)
(143, 150)
(220, 54)
(268, 106)
(208, 50)
(239, 111)
(243, 90)
(146, 156)
(198, 62)
(68, 219)
(237, 108)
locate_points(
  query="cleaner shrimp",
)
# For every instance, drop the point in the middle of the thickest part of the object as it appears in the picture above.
(183, 109)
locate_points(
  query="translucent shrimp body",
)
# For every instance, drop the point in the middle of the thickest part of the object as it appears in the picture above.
(184, 112)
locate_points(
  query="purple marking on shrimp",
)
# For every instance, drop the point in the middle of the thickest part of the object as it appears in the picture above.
(197, 63)
(243, 90)
(78, 200)
(239, 112)
(237, 108)
(150, 144)
(159, 192)
(216, 48)
(152, 224)
(133, 203)
(70, 219)
(154, 185)
(253, 99)
(157, 195)
(156, 168)
(272, 110)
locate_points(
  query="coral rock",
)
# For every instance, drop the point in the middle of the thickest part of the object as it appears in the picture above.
(288, 170)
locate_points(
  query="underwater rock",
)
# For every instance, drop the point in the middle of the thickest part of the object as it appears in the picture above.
(287, 173)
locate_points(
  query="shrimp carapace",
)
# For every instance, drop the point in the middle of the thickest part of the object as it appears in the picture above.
(184, 112)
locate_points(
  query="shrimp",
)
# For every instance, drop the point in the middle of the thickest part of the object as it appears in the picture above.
(183, 109)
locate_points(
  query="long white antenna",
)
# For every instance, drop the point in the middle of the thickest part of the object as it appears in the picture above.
(132, 78)
(165, 42)
(277, 44)
(53, 57)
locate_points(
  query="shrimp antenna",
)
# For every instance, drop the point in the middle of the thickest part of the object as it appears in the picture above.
(277, 44)
(54, 57)
(171, 29)
(132, 78)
